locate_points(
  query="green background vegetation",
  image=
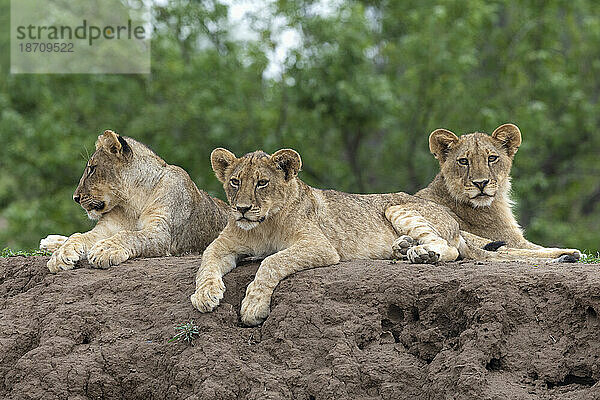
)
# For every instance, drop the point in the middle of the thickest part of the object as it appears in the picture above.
(357, 97)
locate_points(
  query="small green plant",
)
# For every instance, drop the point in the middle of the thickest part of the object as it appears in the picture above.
(588, 258)
(6, 252)
(186, 333)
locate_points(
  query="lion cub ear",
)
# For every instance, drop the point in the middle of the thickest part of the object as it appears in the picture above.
(440, 142)
(113, 143)
(220, 160)
(509, 136)
(288, 161)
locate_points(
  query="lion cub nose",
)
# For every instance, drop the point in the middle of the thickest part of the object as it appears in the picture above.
(481, 184)
(242, 209)
(76, 199)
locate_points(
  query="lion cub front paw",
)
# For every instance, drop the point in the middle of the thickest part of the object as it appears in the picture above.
(67, 255)
(254, 313)
(208, 294)
(255, 306)
(51, 243)
(401, 245)
(422, 255)
(106, 253)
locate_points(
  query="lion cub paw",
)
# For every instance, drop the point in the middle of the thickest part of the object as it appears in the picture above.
(254, 312)
(208, 294)
(422, 254)
(401, 245)
(256, 305)
(66, 256)
(51, 243)
(106, 253)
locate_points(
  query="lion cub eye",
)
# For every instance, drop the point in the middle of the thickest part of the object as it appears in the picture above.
(492, 158)
(463, 161)
(91, 169)
(262, 183)
(234, 182)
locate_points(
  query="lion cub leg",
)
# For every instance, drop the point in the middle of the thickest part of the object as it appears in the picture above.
(306, 253)
(544, 254)
(217, 260)
(152, 241)
(419, 239)
(51, 243)
(475, 245)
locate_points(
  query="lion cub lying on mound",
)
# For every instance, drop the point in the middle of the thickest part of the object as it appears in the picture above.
(474, 183)
(277, 216)
(144, 208)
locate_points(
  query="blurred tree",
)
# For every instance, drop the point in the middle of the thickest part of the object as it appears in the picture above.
(357, 97)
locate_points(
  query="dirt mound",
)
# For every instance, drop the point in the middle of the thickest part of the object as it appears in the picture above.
(357, 330)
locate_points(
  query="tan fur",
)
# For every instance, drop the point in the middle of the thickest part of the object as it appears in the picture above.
(144, 208)
(277, 216)
(484, 213)
(51, 243)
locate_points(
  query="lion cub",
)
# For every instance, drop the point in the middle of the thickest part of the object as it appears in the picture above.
(144, 208)
(277, 216)
(474, 183)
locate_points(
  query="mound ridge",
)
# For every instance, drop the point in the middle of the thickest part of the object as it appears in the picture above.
(356, 330)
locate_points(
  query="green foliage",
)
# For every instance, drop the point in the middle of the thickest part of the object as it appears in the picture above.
(357, 97)
(186, 333)
(6, 252)
(588, 258)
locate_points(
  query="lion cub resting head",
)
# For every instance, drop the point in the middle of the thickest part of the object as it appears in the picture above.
(256, 184)
(277, 216)
(144, 208)
(100, 186)
(476, 166)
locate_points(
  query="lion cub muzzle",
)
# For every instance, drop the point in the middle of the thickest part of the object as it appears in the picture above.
(481, 189)
(89, 203)
(247, 217)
